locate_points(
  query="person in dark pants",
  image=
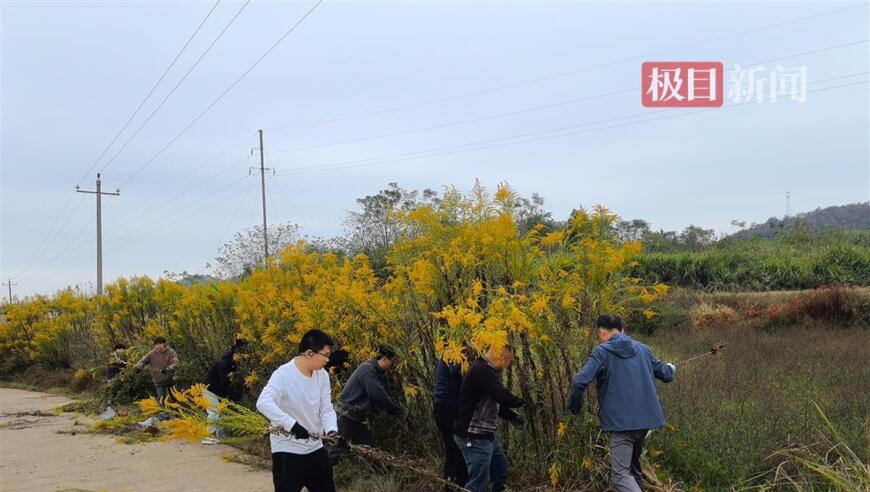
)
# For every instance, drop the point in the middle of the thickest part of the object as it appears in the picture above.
(218, 377)
(482, 400)
(163, 362)
(117, 363)
(363, 397)
(624, 371)
(297, 398)
(445, 408)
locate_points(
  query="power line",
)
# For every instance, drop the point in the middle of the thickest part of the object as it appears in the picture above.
(483, 144)
(124, 127)
(150, 92)
(56, 234)
(224, 93)
(404, 156)
(173, 213)
(177, 85)
(207, 207)
(182, 219)
(131, 222)
(535, 108)
(125, 240)
(37, 253)
(286, 196)
(563, 74)
(175, 197)
(198, 184)
(235, 214)
(48, 262)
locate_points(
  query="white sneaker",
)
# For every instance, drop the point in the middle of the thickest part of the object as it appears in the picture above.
(108, 414)
(149, 422)
(210, 441)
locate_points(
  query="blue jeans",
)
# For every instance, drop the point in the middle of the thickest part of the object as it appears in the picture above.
(486, 463)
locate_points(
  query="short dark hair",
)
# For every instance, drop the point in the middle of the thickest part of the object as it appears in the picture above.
(159, 340)
(314, 340)
(120, 345)
(386, 351)
(609, 321)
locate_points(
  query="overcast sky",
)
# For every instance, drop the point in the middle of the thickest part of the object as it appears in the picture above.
(356, 90)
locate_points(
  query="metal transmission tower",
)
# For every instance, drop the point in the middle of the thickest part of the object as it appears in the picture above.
(99, 194)
(788, 204)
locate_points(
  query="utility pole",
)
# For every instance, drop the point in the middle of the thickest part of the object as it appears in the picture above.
(99, 194)
(10, 285)
(263, 170)
(263, 187)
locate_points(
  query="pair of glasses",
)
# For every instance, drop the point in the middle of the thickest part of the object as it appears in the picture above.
(327, 355)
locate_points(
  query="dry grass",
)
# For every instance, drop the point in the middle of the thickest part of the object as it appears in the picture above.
(731, 412)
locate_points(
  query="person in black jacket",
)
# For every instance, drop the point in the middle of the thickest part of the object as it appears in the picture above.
(363, 397)
(218, 377)
(482, 400)
(445, 408)
(117, 363)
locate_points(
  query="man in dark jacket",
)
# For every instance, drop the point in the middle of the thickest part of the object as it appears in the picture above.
(628, 406)
(218, 377)
(363, 397)
(482, 400)
(448, 380)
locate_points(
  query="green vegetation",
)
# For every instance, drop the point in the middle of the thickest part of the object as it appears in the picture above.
(793, 260)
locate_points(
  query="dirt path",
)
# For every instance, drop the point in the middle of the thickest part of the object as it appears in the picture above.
(35, 457)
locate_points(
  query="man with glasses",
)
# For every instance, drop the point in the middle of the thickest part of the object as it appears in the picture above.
(297, 398)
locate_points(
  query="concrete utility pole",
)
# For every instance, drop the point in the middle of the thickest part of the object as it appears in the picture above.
(263, 188)
(99, 194)
(10, 285)
(263, 170)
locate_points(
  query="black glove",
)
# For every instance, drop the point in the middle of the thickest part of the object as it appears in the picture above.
(337, 440)
(518, 422)
(164, 371)
(299, 432)
(575, 404)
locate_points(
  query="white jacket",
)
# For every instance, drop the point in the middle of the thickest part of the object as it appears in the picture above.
(290, 397)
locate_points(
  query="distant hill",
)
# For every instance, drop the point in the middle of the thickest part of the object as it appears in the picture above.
(852, 217)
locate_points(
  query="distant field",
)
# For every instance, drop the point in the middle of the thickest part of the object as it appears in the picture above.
(730, 412)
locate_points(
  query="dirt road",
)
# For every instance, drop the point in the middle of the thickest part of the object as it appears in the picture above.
(34, 456)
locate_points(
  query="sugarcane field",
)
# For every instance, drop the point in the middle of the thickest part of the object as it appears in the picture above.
(479, 246)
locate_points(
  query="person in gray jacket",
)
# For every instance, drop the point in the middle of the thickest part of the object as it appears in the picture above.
(628, 406)
(163, 362)
(363, 397)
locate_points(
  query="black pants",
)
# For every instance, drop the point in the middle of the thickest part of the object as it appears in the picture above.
(291, 472)
(454, 464)
(355, 432)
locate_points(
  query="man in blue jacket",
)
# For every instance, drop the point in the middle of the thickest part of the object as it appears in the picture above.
(628, 406)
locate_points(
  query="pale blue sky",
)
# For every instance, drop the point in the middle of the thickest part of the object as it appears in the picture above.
(73, 72)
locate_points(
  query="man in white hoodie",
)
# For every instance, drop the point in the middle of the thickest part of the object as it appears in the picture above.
(297, 398)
